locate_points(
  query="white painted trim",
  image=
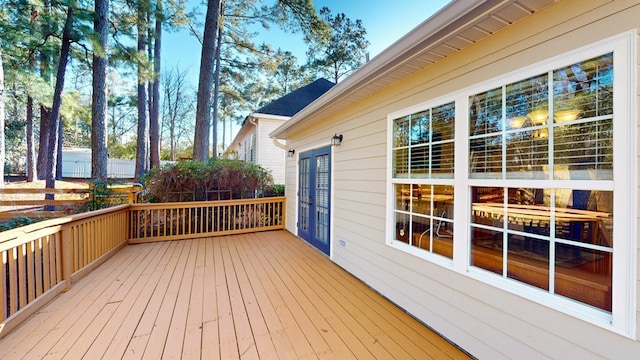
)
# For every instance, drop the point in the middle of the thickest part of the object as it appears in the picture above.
(256, 115)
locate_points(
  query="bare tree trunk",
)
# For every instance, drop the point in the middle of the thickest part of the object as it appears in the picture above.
(59, 151)
(205, 82)
(216, 93)
(54, 116)
(99, 154)
(43, 142)
(2, 150)
(143, 129)
(31, 151)
(154, 120)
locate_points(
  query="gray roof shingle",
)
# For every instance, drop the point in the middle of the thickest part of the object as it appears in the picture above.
(296, 100)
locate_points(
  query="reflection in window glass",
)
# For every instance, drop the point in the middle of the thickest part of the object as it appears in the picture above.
(584, 90)
(566, 232)
(582, 126)
(420, 129)
(584, 151)
(485, 113)
(485, 161)
(527, 102)
(424, 217)
(423, 145)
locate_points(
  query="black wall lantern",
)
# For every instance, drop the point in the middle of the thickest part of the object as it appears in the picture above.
(336, 140)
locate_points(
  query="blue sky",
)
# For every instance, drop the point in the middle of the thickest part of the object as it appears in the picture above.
(385, 21)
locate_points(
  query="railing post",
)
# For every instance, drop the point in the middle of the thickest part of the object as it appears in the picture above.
(66, 256)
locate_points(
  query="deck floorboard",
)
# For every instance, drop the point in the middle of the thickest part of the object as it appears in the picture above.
(254, 296)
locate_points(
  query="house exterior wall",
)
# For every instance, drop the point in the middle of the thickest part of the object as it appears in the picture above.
(481, 318)
(269, 155)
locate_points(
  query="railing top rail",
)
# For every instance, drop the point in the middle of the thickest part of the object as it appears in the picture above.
(184, 204)
(44, 191)
(27, 229)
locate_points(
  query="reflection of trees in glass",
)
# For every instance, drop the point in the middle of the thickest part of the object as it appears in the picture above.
(423, 142)
(420, 128)
(526, 96)
(401, 132)
(485, 112)
(443, 120)
(586, 86)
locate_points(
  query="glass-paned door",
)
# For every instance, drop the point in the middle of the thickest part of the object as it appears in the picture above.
(314, 185)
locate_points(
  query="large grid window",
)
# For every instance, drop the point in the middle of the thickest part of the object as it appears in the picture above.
(557, 236)
(423, 162)
(541, 188)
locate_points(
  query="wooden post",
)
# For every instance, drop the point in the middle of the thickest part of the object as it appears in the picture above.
(66, 256)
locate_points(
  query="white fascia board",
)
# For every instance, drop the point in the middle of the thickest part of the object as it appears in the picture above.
(269, 116)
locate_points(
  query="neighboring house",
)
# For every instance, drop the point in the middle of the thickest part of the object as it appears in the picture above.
(252, 143)
(487, 178)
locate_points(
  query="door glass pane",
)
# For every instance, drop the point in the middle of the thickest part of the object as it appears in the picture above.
(304, 194)
(322, 198)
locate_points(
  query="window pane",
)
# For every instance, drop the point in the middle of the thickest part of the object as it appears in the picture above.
(527, 102)
(482, 197)
(403, 196)
(442, 160)
(528, 260)
(421, 226)
(402, 227)
(401, 132)
(527, 154)
(420, 133)
(485, 113)
(585, 216)
(486, 158)
(443, 121)
(584, 89)
(584, 275)
(528, 210)
(584, 151)
(422, 199)
(401, 163)
(420, 162)
(486, 249)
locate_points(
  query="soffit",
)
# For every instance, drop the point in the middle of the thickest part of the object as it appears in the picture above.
(459, 25)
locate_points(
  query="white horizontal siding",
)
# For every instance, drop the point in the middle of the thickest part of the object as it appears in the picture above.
(269, 155)
(488, 322)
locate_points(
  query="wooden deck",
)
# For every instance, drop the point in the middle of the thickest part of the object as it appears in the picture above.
(253, 296)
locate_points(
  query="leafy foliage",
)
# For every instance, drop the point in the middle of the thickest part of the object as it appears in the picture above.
(340, 51)
(217, 179)
(18, 222)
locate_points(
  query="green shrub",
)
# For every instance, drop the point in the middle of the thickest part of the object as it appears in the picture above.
(19, 221)
(218, 179)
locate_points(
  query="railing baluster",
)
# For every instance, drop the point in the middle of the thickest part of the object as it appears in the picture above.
(4, 291)
(31, 278)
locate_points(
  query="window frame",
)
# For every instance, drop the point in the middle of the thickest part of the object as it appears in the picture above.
(622, 318)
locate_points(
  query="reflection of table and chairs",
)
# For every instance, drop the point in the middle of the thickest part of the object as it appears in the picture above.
(439, 229)
(570, 224)
(582, 272)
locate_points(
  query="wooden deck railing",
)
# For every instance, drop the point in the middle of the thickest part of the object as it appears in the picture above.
(30, 202)
(172, 221)
(39, 261)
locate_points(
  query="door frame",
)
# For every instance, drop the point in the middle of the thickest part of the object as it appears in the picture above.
(309, 234)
